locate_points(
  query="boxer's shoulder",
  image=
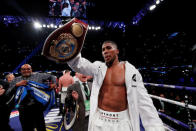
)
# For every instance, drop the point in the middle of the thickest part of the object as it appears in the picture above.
(98, 63)
(129, 65)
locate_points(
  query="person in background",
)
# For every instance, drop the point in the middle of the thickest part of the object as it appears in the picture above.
(30, 110)
(9, 77)
(66, 9)
(5, 109)
(64, 81)
(81, 91)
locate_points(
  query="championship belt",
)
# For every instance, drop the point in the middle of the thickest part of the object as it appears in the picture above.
(66, 42)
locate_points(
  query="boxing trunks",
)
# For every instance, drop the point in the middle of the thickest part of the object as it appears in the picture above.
(111, 121)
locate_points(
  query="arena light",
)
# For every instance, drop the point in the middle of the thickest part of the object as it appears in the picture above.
(60, 26)
(37, 25)
(51, 25)
(98, 27)
(157, 2)
(152, 7)
(94, 28)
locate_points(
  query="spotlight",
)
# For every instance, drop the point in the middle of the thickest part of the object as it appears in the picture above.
(152, 7)
(44, 25)
(158, 2)
(37, 25)
(134, 22)
(51, 25)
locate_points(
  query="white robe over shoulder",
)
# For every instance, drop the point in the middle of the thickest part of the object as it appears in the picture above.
(140, 104)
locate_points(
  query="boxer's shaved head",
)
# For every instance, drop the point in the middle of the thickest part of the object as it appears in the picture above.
(112, 42)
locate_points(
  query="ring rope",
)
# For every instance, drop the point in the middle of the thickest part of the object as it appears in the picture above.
(174, 120)
(171, 86)
(173, 102)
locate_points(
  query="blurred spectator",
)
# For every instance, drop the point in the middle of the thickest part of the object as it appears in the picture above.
(66, 9)
(9, 77)
(82, 8)
(64, 82)
(56, 8)
(5, 109)
(80, 91)
(75, 11)
(161, 104)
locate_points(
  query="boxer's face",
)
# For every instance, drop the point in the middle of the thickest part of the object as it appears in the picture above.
(26, 70)
(109, 52)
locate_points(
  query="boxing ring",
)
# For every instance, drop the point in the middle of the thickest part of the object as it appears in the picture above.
(185, 105)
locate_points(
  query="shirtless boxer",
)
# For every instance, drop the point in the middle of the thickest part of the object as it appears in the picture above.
(119, 98)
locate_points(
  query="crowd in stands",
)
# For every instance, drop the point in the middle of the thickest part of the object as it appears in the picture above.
(68, 8)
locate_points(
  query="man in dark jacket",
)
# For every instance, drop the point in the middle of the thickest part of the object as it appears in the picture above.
(80, 91)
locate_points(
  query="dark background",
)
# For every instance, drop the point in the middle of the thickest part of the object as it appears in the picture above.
(147, 44)
(173, 14)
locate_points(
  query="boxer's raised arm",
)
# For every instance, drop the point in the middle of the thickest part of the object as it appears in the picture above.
(83, 66)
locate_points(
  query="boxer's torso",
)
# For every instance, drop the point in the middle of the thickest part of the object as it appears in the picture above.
(112, 95)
